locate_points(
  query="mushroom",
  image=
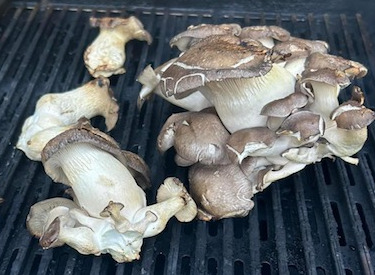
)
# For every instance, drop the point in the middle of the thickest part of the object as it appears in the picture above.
(196, 137)
(194, 34)
(238, 84)
(150, 79)
(265, 34)
(220, 191)
(106, 54)
(55, 111)
(294, 52)
(109, 214)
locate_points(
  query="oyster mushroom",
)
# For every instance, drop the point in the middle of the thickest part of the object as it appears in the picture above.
(150, 79)
(265, 34)
(220, 191)
(109, 214)
(56, 111)
(194, 34)
(196, 137)
(238, 84)
(106, 54)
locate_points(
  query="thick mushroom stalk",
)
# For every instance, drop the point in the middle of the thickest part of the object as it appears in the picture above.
(56, 111)
(109, 213)
(106, 54)
(238, 84)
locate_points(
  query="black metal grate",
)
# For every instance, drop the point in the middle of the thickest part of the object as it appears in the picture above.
(319, 221)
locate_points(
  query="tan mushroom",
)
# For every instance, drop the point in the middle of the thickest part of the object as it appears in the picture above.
(265, 34)
(106, 54)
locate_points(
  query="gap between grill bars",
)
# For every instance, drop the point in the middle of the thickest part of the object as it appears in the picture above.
(319, 221)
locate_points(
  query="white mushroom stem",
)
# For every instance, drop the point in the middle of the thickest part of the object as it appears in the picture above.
(97, 178)
(239, 102)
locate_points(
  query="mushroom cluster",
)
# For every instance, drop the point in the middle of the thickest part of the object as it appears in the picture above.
(261, 106)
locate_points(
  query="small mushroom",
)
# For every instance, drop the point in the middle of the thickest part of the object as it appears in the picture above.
(194, 34)
(196, 137)
(220, 191)
(150, 79)
(56, 111)
(106, 54)
(238, 84)
(265, 34)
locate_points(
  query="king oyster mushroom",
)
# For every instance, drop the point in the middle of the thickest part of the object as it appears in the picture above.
(194, 34)
(109, 214)
(150, 79)
(106, 54)
(56, 112)
(236, 76)
(196, 137)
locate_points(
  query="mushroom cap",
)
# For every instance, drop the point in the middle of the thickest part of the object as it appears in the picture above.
(85, 133)
(297, 48)
(326, 75)
(304, 125)
(196, 137)
(39, 213)
(351, 117)
(285, 106)
(243, 142)
(318, 61)
(194, 34)
(172, 187)
(200, 64)
(258, 32)
(220, 191)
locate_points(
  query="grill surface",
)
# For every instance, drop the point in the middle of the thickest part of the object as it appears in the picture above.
(319, 221)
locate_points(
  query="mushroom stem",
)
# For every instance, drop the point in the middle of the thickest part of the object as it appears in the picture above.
(239, 102)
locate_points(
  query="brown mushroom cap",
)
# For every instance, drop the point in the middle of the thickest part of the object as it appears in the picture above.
(304, 125)
(326, 75)
(194, 34)
(318, 61)
(220, 191)
(285, 106)
(351, 117)
(196, 136)
(85, 133)
(200, 64)
(258, 32)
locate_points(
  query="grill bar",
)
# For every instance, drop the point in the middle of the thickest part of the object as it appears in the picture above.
(319, 221)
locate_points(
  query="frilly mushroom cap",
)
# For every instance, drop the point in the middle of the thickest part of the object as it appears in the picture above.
(318, 61)
(285, 106)
(220, 191)
(304, 125)
(39, 212)
(196, 136)
(243, 142)
(258, 32)
(297, 47)
(131, 22)
(85, 133)
(326, 75)
(200, 64)
(194, 34)
(352, 117)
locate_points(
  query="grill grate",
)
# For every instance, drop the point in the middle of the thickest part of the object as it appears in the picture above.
(319, 221)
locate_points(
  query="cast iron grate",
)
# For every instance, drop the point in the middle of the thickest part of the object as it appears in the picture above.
(319, 221)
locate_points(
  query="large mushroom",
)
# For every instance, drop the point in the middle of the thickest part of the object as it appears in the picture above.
(106, 54)
(238, 84)
(109, 213)
(55, 110)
